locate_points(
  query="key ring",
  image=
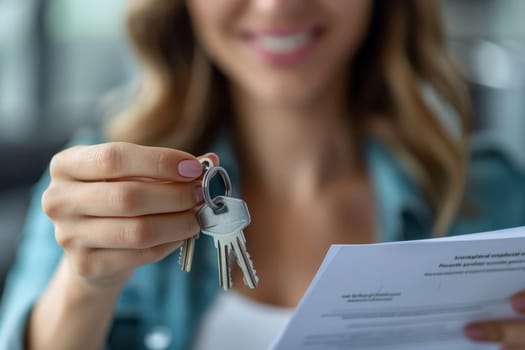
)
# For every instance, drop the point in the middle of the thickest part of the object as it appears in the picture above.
(210, 172)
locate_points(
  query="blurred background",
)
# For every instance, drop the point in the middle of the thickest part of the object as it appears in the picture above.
(61, 59)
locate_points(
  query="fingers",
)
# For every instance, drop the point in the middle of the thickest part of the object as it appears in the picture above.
(118, 206)
(117, 160)
(101, 264)
(518, 302)
(510, 333)
(127, 233)
(119, 199)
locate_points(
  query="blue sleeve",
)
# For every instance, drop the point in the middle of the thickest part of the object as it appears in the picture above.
(37, 257)
(495, 192)
(35, 262)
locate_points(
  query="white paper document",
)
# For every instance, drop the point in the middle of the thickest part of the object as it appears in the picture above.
(409, 295)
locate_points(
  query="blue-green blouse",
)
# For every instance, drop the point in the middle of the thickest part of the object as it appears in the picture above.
(161, 305)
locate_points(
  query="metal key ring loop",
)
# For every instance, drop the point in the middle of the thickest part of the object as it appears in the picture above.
(208, 175)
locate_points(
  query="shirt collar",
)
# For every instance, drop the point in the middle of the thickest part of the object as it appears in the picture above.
(398, 199)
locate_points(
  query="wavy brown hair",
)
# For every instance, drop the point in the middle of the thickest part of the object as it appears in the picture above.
(183, 97)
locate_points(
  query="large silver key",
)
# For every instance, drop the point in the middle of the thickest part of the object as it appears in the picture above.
(188, 246)
(225, 224)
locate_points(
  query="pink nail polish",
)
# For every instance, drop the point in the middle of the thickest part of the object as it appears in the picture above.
(474, 332)
(199, 196)
(190, 168)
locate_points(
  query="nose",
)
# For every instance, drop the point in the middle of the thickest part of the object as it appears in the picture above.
(279, 6)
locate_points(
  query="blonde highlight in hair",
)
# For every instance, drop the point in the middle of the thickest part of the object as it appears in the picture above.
(170, 106)
(183, 98)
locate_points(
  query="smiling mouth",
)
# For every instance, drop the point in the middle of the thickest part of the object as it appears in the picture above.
(284, 43)
(283, 46)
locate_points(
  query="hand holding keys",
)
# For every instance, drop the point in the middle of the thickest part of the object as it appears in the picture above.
(223, 218)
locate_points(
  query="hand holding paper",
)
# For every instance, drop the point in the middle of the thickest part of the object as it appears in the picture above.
(413, 295)
(510, 333)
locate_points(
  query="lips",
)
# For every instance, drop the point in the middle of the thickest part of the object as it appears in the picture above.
(283, 46)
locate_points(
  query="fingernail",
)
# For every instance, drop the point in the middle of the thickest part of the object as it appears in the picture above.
(213, 155)
(199, 196)
(518, 303)
(190, 168)
(474, 332)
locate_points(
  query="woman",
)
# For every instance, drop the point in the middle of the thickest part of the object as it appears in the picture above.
(324, 111)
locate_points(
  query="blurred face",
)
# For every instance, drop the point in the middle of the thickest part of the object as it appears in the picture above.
(284, 52)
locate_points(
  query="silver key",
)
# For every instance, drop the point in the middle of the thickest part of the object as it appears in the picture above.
(186, 253)
(225, 225)
(188, 247)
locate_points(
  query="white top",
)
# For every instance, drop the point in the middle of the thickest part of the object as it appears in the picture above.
(235, 322)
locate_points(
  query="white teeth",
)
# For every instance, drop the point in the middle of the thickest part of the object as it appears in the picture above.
(283, 43)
